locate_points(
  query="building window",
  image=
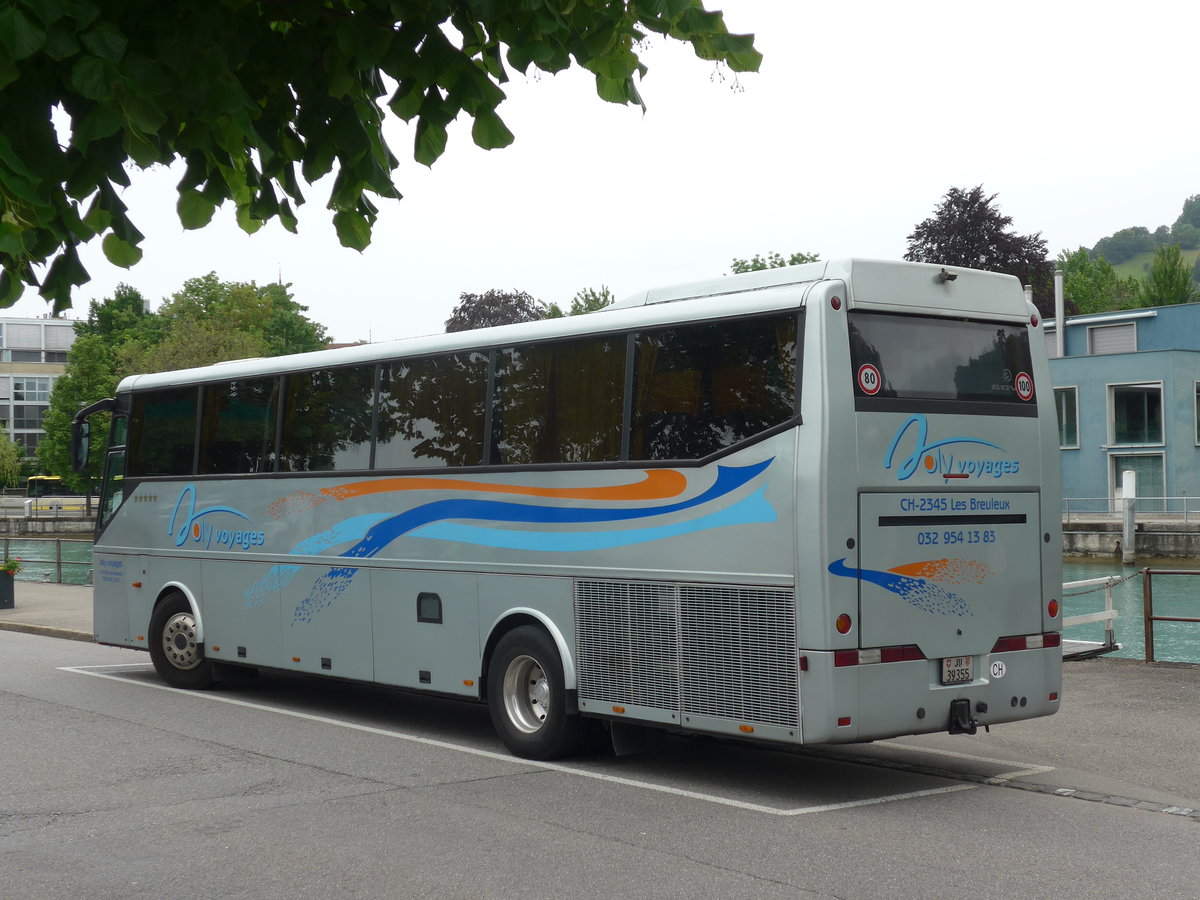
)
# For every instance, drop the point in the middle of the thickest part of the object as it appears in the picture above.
(1151, 485)
(1067, 406)
(1137, 414)
(30, 389)
(1198, 412)
(1112, 338)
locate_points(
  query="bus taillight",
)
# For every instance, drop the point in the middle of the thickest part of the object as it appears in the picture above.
(1027, 642)
(1052, 609)
(844, 623)
(870, 656)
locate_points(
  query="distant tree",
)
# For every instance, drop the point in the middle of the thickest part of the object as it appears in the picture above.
(1169, 281)
(1191, 212)
(192, 342)
(585, 301)
(260, 97)
(772, 260)
(206, 321)
(91, 375)
(10, 461)
(1124, 245)
(1187, 237)
(1092, 285)
(267, 312)
(494, 307)
(967, 229)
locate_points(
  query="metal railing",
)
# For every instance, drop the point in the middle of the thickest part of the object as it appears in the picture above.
(1179, 509)
(1106, 615)
(50, 566)
(46, 508)
(1148, 606)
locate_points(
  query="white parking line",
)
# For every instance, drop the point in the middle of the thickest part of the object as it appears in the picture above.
(513, 760)
(1020, 770)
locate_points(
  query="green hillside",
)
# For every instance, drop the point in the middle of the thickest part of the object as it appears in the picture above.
(1140, 264)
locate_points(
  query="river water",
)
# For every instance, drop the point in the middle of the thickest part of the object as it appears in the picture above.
(1174, 595)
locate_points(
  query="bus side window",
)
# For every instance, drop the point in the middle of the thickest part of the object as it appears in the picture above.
(237, 433)
(162, 432)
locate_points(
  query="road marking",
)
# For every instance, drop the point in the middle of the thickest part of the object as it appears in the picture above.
(1020, 771)
(513, 760)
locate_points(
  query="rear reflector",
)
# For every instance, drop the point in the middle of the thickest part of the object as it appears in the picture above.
(1027, 642)
(904, 653)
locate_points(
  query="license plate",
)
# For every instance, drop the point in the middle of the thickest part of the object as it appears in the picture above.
(957, 670)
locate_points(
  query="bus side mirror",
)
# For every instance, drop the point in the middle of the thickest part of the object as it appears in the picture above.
(81, 439)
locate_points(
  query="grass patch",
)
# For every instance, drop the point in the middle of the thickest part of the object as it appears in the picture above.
(1139, 266)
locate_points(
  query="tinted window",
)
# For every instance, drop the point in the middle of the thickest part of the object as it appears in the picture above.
(701, 388)
(327, 420)
(237, 433)
(162, 432)
(559, 402)
(431, 412)
(924, 358)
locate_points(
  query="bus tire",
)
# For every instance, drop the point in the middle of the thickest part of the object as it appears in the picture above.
(178, 657)
(527, 698)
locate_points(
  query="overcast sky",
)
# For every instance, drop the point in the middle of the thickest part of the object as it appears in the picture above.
(1081, 117)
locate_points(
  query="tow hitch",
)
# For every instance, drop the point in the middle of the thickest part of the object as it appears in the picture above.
(961, 720)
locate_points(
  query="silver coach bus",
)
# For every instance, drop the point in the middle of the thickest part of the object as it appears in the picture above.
(804, 505)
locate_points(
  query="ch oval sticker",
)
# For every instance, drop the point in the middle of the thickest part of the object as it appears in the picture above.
(999, 669)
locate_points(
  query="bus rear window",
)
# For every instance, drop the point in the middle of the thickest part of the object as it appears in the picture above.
(918, 363)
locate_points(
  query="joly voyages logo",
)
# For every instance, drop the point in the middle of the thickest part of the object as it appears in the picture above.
(946, 458)
(189, 522)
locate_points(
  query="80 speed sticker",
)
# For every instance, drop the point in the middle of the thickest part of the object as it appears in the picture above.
(868, 379)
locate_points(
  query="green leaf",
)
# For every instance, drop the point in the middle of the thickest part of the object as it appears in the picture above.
(97, 217)
(353, 230)
(10, 239)
(119, 252)
(8, 70)
(143, 114)
(246, 220)
(195, 210)
(430, 141)
(106, 41)
(100, 122)
(94, 77)
(20, 34)
(489, 132)
(61, 42)
(11, 289)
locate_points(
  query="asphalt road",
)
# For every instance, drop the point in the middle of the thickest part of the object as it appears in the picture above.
(112, 785)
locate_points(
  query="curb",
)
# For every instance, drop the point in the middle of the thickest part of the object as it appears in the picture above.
(69, 634)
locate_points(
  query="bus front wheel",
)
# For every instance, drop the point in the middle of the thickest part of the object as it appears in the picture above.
(527, 698)
(177, 656)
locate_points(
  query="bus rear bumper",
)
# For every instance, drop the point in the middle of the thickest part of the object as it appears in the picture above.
(884, 700)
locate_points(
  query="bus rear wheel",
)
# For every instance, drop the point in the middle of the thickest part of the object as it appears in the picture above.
(527, 697)
(177, 656)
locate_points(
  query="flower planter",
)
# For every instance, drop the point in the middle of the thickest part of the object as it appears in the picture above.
(6, 590)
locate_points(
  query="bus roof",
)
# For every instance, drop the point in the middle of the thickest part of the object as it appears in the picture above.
(872, 284)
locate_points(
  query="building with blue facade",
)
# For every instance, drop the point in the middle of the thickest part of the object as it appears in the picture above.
(1127, 389)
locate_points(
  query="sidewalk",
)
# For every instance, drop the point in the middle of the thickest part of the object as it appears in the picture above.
(55, 610)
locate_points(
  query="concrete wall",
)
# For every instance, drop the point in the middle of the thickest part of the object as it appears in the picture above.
(1103, 539)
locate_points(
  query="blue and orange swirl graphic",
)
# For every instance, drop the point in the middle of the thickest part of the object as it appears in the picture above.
(920, 583)
(457, 520)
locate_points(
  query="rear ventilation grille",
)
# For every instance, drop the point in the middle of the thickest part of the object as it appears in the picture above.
(704, 650)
